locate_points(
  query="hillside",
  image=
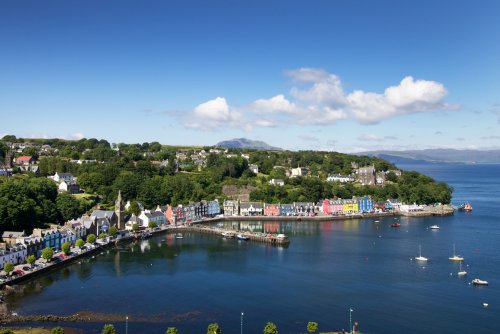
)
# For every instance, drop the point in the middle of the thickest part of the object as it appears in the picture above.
(440, 155)
(245, 143)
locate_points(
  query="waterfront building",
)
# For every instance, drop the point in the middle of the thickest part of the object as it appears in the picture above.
(170, 215)
(365, 204)
(148, 216)
(67, 236)
(51, 237)
(110, 215)
(251, 208)
(231, 208)
(337, 207)
(10, 237)
(131, 220)
(271, 209)
(34, 245)
(15, 254)
(213, 208)
(286, 210)
(325, 207)
(303, 209)
(350, 206)
(77, 228)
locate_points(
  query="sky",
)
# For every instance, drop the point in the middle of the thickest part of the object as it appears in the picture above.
(332, 75)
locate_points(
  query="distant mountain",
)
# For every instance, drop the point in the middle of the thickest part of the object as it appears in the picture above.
(438, 155)
(247, 143)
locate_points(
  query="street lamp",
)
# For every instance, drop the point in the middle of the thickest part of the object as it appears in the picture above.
(126, 324)
(350, 320)
(242, 314)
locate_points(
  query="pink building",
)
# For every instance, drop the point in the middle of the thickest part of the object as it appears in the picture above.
(271, 210)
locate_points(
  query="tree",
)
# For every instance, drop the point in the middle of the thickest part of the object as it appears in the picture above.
(47, 253)
(113, 231)
(57, 330)
(102, 235)
(214, 329)
(69, 206)
(31, 259)
(8, 267)
(152, 224)
(134, 208)
(91, 238)
(80, 243)
(135, 227)
(6, 331)
(270, 328)
(66, 248)
(172, 330)
(312, 326)
(108, 329)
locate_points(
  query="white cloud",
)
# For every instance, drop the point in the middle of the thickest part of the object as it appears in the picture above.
(485, 137)
(370, 137)
(214, 114)
(277, 103)
(308, 138)
(319, 99)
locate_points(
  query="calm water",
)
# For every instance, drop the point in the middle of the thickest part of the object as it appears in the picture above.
(328, 268)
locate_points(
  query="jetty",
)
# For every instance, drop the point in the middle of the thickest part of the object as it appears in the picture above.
(272, 239)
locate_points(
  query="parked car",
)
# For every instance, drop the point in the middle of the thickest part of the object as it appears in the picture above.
(26, 268)
(19, 272)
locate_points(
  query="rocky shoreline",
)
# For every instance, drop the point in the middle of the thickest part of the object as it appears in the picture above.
(88, 316)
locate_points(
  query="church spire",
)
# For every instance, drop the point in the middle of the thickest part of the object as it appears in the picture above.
(119, 211)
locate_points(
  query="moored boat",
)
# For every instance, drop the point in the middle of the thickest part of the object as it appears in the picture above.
(420, 257)
(227, 235)
(242, 237)
(477, 281)
(396, 225)
(467, 207)
(434, 227)
(455, 257)
(179, 236)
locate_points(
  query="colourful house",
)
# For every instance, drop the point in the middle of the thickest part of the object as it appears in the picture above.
(337, 207)
(350, 206)
(271, 210)
(365, 204)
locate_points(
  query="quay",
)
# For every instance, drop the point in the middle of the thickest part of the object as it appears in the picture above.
(252, 236)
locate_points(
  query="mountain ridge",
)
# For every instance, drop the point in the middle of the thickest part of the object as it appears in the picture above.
(247, 143)
(441, 155)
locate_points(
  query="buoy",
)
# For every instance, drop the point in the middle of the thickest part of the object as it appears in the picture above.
(485, 305)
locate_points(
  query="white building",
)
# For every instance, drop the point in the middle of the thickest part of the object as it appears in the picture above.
(254, 168)
(277, 182)
(299, 171)
(15, 254)
(340, 178)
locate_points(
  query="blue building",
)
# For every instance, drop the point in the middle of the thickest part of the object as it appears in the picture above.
(365, 204)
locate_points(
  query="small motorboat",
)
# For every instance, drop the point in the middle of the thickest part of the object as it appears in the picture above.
(227, 235)
(242, 237)
(179, 236)
(396, 225)
(477, 281)
(434, 227)
(465, 207)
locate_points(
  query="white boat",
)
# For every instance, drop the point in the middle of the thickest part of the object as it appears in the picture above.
(179, 236)
(420, 257)
(434, 227)
(242, 237)
(460, 271)
(455, 257)
(227, 235)
(477, 281)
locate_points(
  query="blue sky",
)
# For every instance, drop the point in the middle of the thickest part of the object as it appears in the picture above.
(335, 75)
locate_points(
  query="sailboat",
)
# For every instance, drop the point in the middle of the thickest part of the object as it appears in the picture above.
(455, 257)
(461, 272)
(420, 257)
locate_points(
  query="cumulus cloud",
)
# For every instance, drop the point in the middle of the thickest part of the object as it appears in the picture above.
(308, 138)
(277, 103)
(370, 137)
(213, 114)
(318, 98)
(490, 137)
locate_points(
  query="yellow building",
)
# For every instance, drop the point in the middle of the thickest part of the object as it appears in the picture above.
(350, 206)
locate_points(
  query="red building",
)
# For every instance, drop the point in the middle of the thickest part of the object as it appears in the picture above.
(271, 210)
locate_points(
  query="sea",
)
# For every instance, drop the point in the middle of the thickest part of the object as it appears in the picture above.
(334, 273)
